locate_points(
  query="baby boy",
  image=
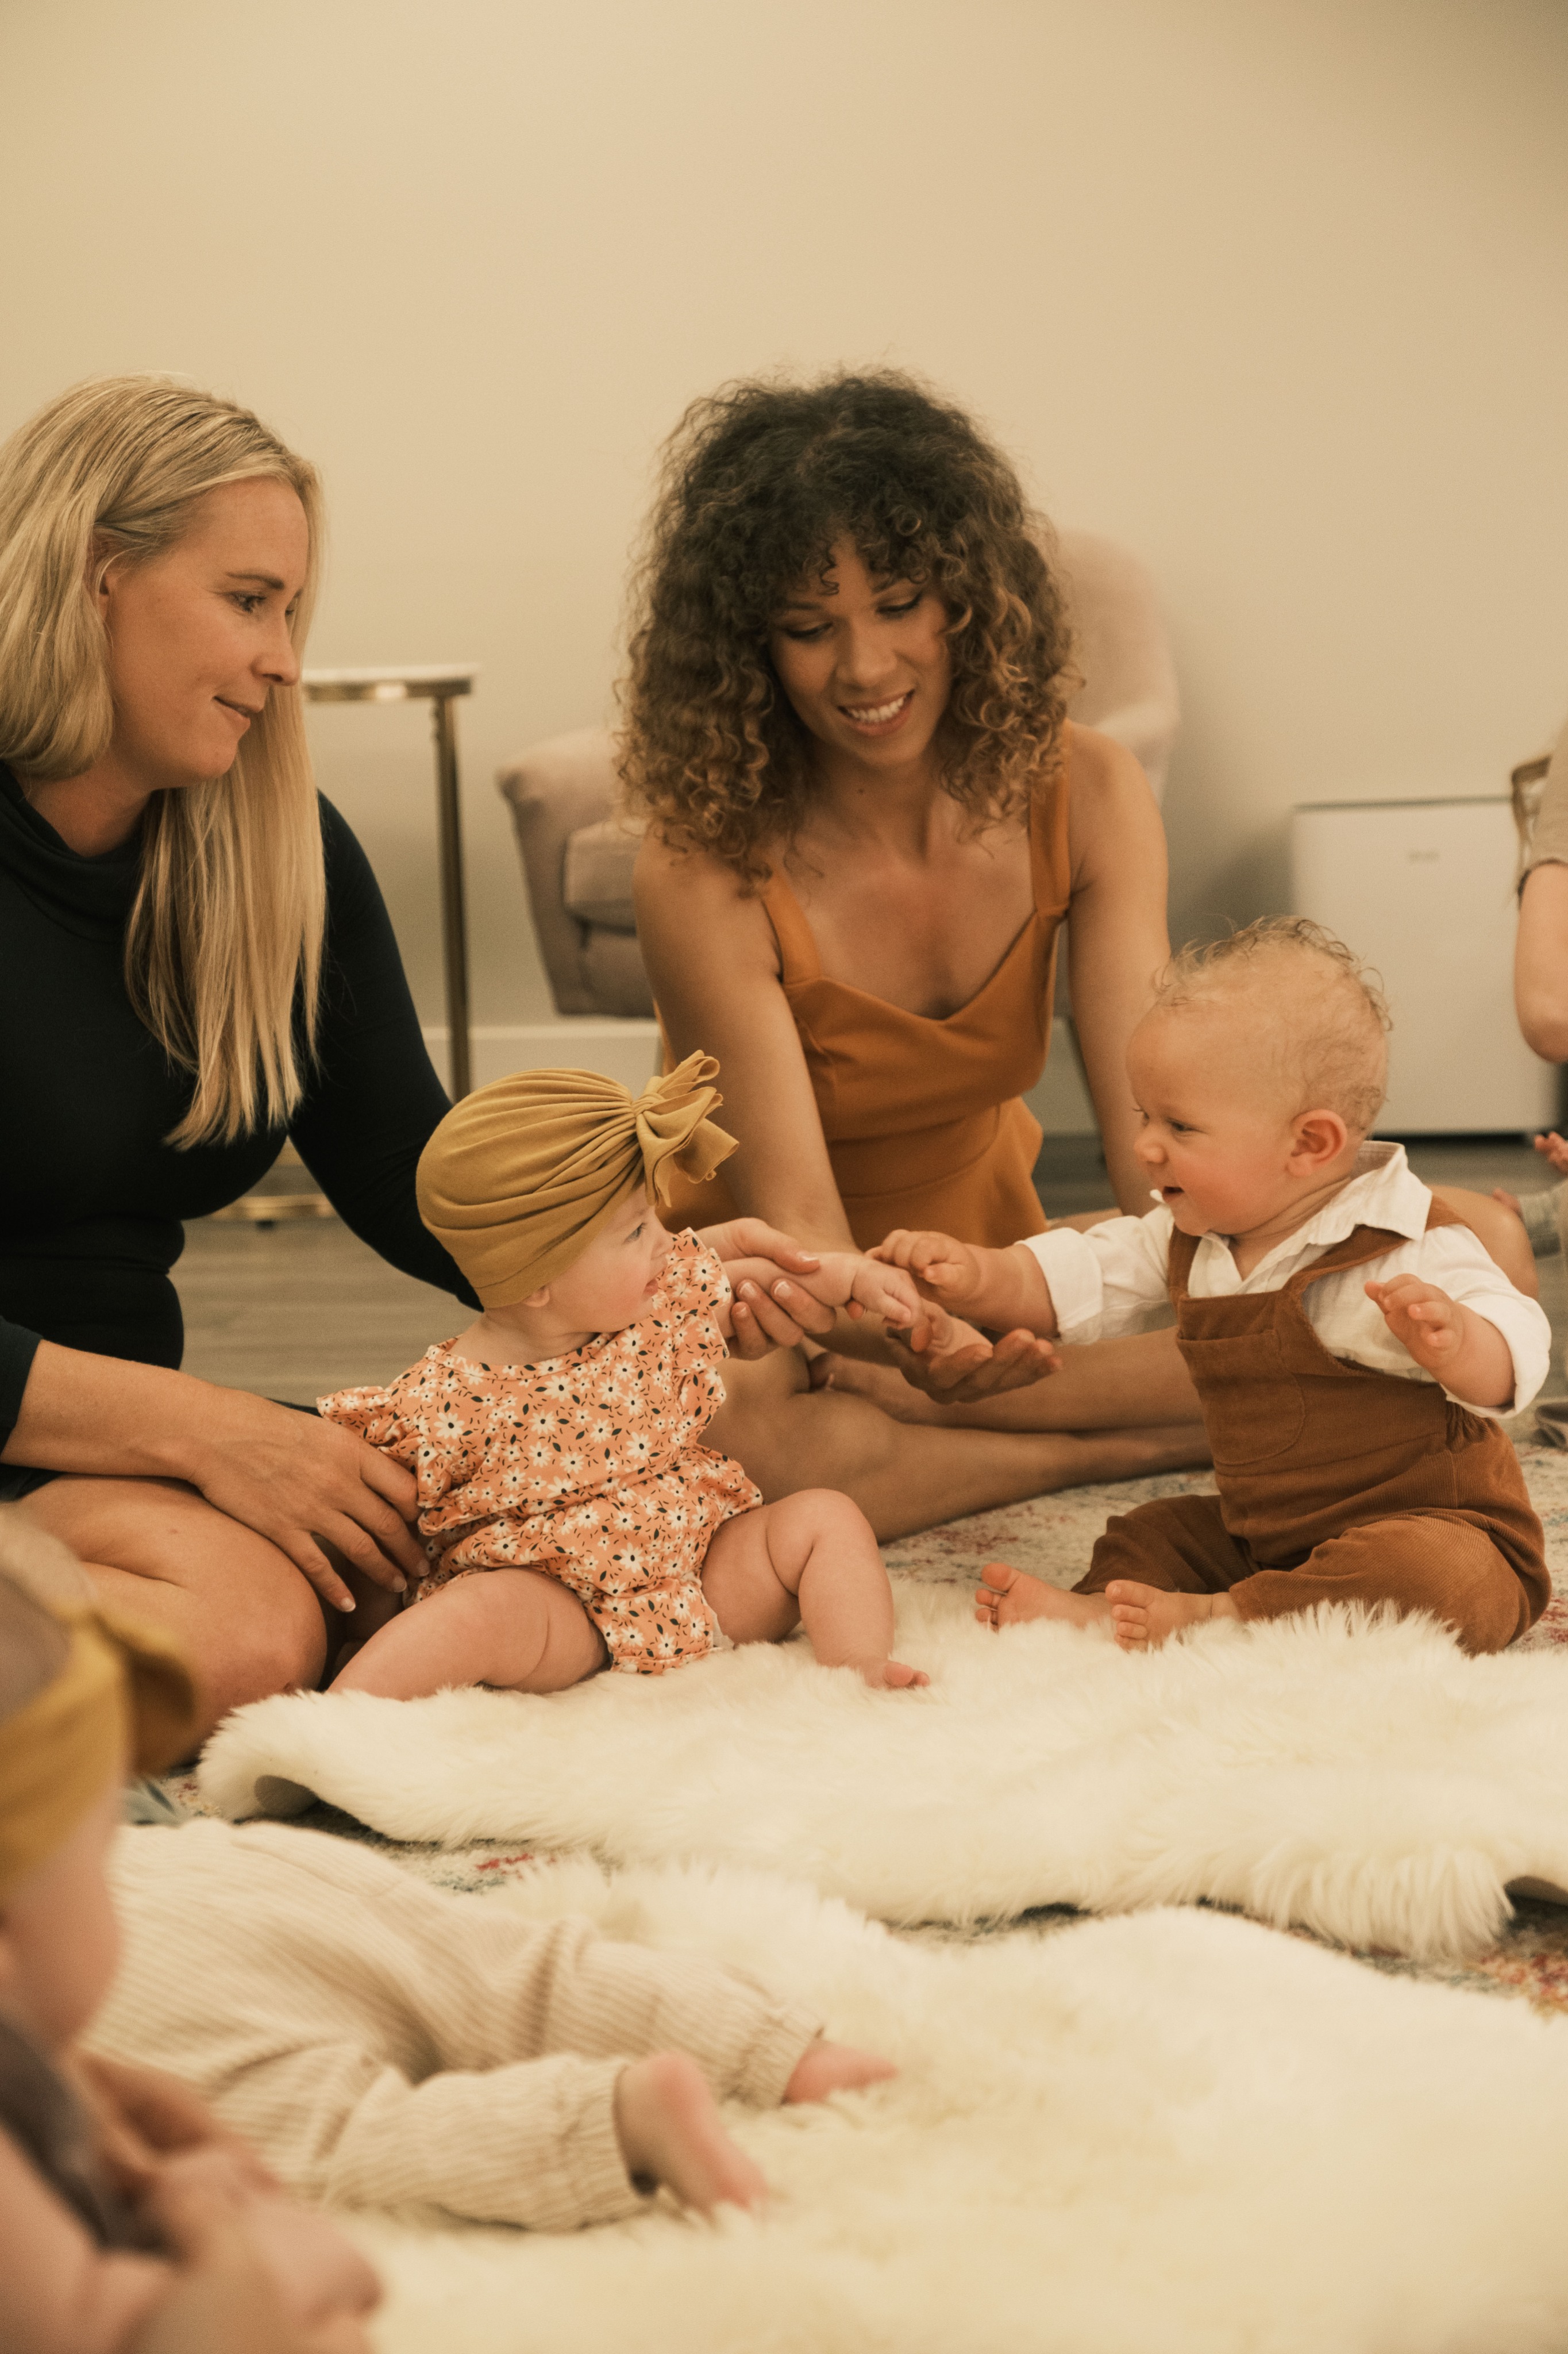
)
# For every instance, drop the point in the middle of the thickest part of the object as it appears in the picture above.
(1351, 1343)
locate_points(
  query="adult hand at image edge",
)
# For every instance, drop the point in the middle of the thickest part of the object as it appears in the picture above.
(293, 1478)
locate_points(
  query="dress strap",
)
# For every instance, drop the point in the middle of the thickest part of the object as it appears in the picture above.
(1050, 866)
(798, 957)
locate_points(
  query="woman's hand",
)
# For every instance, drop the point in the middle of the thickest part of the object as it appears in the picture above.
(142, 2116)
(779, 1315)
(958, 1366)
(302, 1482)
(226, 2297)
(296, 1481)
(853, 1280)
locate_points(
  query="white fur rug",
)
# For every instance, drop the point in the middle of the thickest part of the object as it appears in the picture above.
(1173, 2135)
(1361, 1778)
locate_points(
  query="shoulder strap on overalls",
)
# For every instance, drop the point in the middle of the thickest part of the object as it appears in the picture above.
(1360, 1246)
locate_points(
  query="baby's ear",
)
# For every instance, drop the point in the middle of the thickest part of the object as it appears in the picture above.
(540, 1298)
(1319, 1137)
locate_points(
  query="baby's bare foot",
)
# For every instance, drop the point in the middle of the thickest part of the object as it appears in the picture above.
(669, 2127)
(1008, 1597)
(825, 2068)
(1142, 1616)
(888, 1675)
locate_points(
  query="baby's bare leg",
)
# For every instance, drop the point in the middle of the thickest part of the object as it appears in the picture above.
(514, 1628)
(810, 1559)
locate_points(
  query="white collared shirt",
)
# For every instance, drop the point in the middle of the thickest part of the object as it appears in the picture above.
(1115, 1277)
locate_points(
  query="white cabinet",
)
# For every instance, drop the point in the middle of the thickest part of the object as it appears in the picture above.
(1425, 892)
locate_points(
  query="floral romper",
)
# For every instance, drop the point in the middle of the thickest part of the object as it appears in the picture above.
(585, 1466)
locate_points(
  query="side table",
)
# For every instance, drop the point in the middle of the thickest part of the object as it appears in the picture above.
(438, 683)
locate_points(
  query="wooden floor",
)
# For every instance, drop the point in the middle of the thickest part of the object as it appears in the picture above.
(293, 1311)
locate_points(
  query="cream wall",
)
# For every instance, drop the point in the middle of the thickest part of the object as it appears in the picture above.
(1275, 290)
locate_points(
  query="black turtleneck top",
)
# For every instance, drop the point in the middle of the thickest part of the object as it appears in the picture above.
(91, 1197)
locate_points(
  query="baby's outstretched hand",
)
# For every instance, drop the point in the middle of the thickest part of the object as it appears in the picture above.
(948, 1268)
(1422, 1319)
(1552, 1149)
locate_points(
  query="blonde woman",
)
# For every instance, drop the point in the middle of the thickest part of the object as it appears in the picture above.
(194, 961)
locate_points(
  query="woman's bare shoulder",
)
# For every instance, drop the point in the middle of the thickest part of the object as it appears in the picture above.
(1112, 808)
(1099, 765)
(690, 894)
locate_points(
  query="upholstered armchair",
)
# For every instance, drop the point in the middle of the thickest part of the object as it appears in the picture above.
(577, 854)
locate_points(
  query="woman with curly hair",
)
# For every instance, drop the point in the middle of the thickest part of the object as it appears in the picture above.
(868, 818)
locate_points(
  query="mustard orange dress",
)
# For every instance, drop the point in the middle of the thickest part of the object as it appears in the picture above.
(587, 1467)
(922, 1117)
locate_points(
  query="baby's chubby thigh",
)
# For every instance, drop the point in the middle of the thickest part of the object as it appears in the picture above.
(754, 1564)
(517, 1629)
(741, 1583)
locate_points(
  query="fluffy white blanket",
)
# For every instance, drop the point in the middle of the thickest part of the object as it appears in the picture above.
(1360, 1778)
(1178, 2132)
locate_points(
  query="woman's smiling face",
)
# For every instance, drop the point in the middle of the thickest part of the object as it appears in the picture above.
(198, 637)
(865, 664)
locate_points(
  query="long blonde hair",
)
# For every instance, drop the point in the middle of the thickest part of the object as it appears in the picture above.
(223, 945)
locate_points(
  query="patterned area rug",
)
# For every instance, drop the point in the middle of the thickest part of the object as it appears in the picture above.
(1051, 1537)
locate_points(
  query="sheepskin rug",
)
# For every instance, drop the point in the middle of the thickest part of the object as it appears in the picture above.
(1360, 1778)
(1175, 2132)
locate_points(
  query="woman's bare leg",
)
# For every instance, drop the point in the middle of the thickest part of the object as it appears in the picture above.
(1498, 1230)
(247, 1621)
(789, 1436)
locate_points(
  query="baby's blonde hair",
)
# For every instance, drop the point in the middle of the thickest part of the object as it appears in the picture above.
(1319, 1009)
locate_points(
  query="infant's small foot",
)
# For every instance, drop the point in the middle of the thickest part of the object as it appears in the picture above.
(888, 1675)
(825, 2068)
(669, 2126)
(1143, 1617)
(1008, 1596)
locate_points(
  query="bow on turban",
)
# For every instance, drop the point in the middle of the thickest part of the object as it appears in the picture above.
(122, 1695)
(520, 1176)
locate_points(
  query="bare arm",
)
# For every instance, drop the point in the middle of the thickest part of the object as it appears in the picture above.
(1117, 936)
(1541, 962)
(714, 964)
(288, 1476)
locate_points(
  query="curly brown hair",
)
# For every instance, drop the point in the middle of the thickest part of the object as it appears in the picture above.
(760, 482)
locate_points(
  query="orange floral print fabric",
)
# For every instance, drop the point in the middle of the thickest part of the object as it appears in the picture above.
(587, 1466)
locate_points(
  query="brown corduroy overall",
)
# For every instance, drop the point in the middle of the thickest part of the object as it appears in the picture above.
(1337, 1483)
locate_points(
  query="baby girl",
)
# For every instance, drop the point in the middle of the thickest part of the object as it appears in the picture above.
(572, 1517)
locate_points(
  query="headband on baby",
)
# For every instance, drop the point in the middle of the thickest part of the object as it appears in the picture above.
(124, 1695)
(520, 1176)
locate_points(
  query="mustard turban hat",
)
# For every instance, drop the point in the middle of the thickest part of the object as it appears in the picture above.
(520, 1176)
(122, 1692)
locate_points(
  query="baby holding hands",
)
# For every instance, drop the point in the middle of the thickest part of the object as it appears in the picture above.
(1351, 1343)
(572, 1517)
